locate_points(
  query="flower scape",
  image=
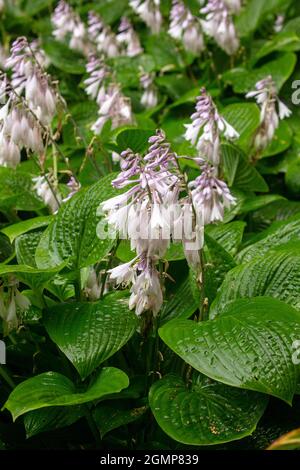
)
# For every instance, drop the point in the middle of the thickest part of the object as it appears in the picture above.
(149, 224)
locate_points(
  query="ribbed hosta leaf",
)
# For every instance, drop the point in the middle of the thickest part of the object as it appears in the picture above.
(54, 389)
(229, 236)
(244, 117)
(26, 245)
(240, 172)
(72, 235)
(89, 333)
(207, 412)
(15, 230)
(277, 274)
(248, 346)
(277, 234)
(48, 419)
(112, 415)
(33, 277)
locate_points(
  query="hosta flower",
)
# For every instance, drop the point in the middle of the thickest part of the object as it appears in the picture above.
(186, 27)
(206, 128)
(92, 288)
(67, 23)
(146, 291)
(219, 25)
(73, 186)
(45, 187)
(2, 5)
(12, 304)
(279, 22)
(115, 106)
(142, 214)
(149, 97)
(95, 83)
(272, 110)
(29, 77)
(129, 38)
(102, 35)
(18, 130)
(149, 11)
(210, 195)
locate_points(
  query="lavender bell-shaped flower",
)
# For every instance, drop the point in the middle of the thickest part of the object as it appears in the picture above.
(186, 27)
(95, 83)
(267, 98)
(219, 24)
(142, 215)
(149, 11)
(206, 127)
(128, 37)
(149, 97)
(66, 22)
(102, 35)
(210, 195)
(46, 189)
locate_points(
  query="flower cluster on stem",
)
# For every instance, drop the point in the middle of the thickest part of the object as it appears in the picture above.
(272, 110)
(186, 27)
(113, 105)
(219, 24)
(149, 11)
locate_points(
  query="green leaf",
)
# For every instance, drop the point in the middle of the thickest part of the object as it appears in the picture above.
(292, 178)
(72, 235)
(239, 172)
(277, 234)
(134, 139)
(26, 245)
(245, 118)
(289, 441)
(33, 7)
(249, 346)
(281, 141)
(287, 41)
(217, 263)
(244, 80)
(111, 416)
(90, 333)
(207, 412)
(255, 12)
(162, 48)
(229, 236)
(34, 277)
(49, 419)
(182, 302)
(16, 191)
(54, 389)
(14, 230)
(64, 58)
(257, 202)
(6, 250)
(275, 274)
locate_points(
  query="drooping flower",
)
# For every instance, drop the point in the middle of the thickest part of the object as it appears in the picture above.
(272, 110)
(73, 186)
(149, 11)
(206, 128)
(102, 35)
(210, 195)
(29, 77)
(12, 304)
(114, 106)
(45, 187)
(92, 287)
(279, 22)
(149, 97)
(95, 83)
(142, 214)
(219, 25)
(128, 37)
(18, 128)
(68, 24)
(186, 27)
